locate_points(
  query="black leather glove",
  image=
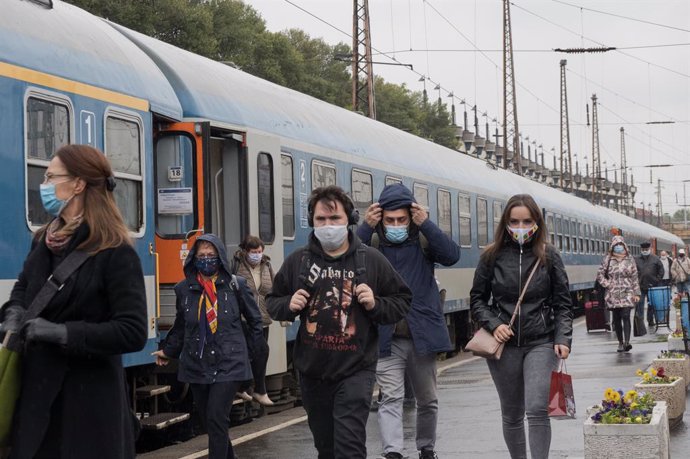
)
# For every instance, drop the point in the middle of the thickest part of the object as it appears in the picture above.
(13, 316)
(39, 329)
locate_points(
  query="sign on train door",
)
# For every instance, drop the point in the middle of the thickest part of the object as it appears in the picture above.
(266, 221)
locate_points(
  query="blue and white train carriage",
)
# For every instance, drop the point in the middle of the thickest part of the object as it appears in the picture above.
(199, 146)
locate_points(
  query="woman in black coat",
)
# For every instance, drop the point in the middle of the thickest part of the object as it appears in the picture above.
(209, 340)
(73, 401)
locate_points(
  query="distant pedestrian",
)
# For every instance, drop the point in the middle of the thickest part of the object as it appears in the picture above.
(667, 263)
(543, 329)
(618, 275)
(74, 401)
(209, 339)
(341, 290)
(251, 263)
(680, 272)
(398, 224)
(650, 272)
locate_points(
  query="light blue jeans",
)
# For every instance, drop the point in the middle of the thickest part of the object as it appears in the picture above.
(522, 377)
(390, 376)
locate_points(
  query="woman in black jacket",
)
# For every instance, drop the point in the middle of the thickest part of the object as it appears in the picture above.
(73, 401)
(542, 331)
(208, 338)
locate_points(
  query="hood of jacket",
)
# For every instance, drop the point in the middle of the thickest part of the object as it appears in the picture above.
(190, 270)
(396, 196)
(618, 240)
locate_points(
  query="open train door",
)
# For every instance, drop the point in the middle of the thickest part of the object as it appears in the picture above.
(266, 221)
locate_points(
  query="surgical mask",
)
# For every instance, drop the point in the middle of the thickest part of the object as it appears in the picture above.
(645, 253)
(254, 258)
(50, 201)
(664, 257)
(207, 266)
(522, 235)
(396, 234)
(331, 237)
(618, 249)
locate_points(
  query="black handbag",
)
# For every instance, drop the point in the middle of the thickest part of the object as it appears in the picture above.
(639, 328)
(599, 290)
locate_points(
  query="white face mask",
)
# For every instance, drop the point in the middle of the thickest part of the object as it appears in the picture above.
(254, 258)
(331, 237)
(645, 252)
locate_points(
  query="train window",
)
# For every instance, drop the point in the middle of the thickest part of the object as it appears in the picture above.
(322, 174)
(582, 237)
(391, 180)
(559, 235)
(444, 212)
(465, 220)
(47, 129)
(421, 194)
(123, 147)
(288, 190)
(482, 222)
(264, 180)
(175, 190)
(552, 228)
(362, 191)
(566, 234)
(498, 212)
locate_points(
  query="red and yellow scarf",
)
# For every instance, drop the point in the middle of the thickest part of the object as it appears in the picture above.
(209, 300)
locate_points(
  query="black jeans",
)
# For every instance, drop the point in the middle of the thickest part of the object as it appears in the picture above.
(259, 363)
(338, 413)
(621, 323)
(214, 402)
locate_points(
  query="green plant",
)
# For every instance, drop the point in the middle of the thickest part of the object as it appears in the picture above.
(671, 355)
(656, 376)
(619, 408)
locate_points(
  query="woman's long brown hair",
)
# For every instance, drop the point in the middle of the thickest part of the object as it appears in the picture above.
(501, 236)
(107, 228)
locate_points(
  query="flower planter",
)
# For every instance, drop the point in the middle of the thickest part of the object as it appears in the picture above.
(673, 394)
(675, 367)
(676, 344)
(624, 441)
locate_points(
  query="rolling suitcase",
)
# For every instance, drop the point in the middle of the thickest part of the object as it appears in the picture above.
(596, 316)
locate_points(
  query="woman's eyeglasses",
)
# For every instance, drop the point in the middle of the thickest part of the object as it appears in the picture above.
(48, 177)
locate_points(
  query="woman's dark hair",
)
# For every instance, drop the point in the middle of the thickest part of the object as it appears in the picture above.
(251, 242)
(107, 228)
(501, 236)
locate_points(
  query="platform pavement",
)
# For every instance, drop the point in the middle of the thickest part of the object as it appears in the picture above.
(469, 414)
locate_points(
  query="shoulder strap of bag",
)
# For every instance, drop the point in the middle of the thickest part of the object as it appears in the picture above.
(522, 295)
(54, 284)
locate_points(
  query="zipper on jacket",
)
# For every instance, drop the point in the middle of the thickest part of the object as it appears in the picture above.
(519, 318)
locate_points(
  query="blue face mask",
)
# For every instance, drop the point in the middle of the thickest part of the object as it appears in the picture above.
(207, 266)
(50, 201)
(396, 234)
(254, 258)
(618, 249)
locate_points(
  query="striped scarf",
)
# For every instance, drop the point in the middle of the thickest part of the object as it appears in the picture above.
(210, 301)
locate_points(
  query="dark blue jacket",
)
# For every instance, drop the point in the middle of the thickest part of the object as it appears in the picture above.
(225, 356)
(425, 319)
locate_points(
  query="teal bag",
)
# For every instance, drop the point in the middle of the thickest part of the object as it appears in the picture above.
(10, 374)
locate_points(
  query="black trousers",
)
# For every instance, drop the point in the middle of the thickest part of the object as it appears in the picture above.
(259, 363)
(338, 413)
(621, 323)
(214, 402)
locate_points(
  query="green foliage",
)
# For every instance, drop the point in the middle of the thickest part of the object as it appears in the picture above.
(233, 32)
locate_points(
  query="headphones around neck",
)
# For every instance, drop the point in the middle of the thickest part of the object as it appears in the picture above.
(352, 212)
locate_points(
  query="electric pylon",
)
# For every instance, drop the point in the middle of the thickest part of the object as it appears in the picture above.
(362, 68)
(596, 165)
(624, 174)
(566, 158)
(510, 117)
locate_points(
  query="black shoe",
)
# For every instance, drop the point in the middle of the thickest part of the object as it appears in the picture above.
(621, 348)
(393, 455)
(427, 454)
(628, 346)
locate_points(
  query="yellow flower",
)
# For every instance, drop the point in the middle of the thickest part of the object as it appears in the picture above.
(608, 394)
(633, 405)
(653, 371)
(638, 372)
(616, 397)
(638, 419)
(646, 377)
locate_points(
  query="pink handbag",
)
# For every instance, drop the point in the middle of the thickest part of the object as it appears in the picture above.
(483, 343)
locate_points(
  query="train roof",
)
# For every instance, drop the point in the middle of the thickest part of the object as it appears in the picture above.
(66, 41)
(211, 90)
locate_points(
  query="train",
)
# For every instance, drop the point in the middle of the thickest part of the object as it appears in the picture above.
(198, 146)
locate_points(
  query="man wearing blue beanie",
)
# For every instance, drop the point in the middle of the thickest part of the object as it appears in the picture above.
(397, 225)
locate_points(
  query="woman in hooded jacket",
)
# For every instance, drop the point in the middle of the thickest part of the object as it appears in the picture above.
(208, 337)
(618, 275)
(542, 331)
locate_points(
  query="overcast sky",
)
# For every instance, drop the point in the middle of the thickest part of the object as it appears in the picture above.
(634, 86)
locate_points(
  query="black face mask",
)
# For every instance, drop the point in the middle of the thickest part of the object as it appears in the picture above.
(207, 266)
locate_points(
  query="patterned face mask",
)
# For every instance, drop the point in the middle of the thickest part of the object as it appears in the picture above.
(522, 235)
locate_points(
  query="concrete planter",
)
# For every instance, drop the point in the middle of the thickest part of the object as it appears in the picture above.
(673, 394)
(675, 367)
(676, 344)
(625, 441)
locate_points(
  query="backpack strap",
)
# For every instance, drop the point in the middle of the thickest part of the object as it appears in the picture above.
(305, 266)
(360, 264)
